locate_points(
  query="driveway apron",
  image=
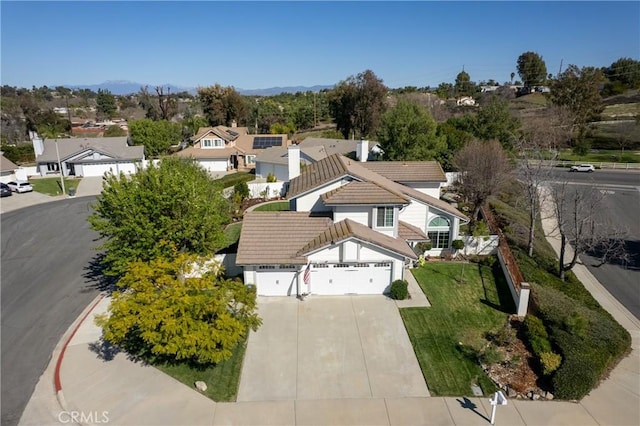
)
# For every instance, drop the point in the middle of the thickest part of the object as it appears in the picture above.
(330, 347)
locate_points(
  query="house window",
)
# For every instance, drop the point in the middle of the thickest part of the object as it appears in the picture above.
(439, 232)
(251, 159)
(212, 143)
(384, 217)
(52, 167)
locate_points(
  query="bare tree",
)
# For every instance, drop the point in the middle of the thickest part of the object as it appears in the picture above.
(583, 226)
(484, 168)
(537, 147)
(165, 103)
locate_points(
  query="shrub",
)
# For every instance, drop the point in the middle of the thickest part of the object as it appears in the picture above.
(241, 189)
(550, 362)
(423, 246)
(399, 290)
(491, 355)
(537, 335)
(271, 177)
(504, 336)
(457, 244)
(574, 379)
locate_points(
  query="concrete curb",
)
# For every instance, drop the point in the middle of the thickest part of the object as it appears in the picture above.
(74, 329)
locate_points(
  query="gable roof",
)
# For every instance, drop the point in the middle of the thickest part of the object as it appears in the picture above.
(246, 143)
(262, 240)
(362, 193)
(408, 232)
(408, 171)
(114, 147)
(224, 132)
(7, 165)
(208, 153)
(337, 166)
(347, 229)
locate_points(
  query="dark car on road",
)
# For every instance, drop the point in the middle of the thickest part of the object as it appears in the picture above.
(5, 191)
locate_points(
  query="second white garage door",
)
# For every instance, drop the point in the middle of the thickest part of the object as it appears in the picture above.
(342, 278)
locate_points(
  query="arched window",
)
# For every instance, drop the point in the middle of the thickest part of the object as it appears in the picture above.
(439, 221)
(438, 232)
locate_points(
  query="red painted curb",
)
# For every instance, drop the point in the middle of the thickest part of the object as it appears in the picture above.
(56, 376)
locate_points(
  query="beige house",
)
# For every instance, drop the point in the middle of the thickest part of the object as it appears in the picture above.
(222, 148)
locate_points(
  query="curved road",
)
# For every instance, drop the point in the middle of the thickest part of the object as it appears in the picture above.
(621, 190)
(46, 283)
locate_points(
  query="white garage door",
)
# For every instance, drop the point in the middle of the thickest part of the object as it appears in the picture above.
(344, 278)
(214, 165)
(276, 282)
(97, 169)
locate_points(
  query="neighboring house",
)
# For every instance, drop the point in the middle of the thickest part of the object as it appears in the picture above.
(7, 169)
(466, 101)
(87, 156)
(350, 229)
(222, 148)
(276, 160)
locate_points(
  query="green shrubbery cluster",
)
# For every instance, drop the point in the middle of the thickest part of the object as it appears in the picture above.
(589, 340)
(399, 290)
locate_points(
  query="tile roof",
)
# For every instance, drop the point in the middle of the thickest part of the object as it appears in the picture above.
(408, 171)
(347, 229)
(276, 237)
(337, 166)
(220, 131)
(7, 165)
(115, 147)
(408, 232)
(362, 193)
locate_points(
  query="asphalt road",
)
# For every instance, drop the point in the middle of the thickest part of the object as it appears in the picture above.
(621, 202)
(45, 284)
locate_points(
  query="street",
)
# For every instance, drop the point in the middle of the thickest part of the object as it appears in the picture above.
(46, 283)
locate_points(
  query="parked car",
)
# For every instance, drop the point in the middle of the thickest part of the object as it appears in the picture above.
(583, 168)
(20, 186)
(5, 191)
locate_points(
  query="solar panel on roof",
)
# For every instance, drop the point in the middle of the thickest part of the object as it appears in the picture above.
(232, 133)
(260, 142)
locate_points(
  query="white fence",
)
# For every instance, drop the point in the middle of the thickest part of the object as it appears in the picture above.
(600, 165)
(481, 246)
(452, 177)
(266, 190)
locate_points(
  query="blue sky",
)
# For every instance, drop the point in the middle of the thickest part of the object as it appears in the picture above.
(253, 45)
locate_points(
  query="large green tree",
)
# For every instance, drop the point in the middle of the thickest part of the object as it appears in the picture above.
(531, 69)
(408, 132)
(625, 72)
(163, 311)
(174, 205)
(357, 105)
(578, 89)
(464, 86)
(155, 136)
(495, 121)
(106, 104)
(221, 105)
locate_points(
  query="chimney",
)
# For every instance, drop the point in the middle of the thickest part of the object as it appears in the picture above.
(38, 144)
(293, 161)
(234, 123)
(362, 151)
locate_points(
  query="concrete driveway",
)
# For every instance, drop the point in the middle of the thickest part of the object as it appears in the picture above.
(327, 348)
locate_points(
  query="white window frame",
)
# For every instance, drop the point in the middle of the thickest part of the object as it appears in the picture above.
(212, 143)
(385, 216)
(439, 234)
(250, 159)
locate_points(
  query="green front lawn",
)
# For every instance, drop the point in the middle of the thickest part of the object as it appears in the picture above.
(601, 156)
(232, 232)
(273, 207)
(51, 186)
(459, 313)
(233, 178)
(222, 379)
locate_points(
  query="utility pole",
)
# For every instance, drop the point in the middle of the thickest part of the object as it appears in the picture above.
(560, 70)
(315, 117)
(60, 168)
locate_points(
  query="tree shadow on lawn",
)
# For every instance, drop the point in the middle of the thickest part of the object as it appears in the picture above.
(505, 301)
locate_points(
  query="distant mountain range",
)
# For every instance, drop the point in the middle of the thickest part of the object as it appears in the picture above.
(123, 87)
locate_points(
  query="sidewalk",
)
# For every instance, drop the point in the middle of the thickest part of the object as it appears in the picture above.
(120, 391)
